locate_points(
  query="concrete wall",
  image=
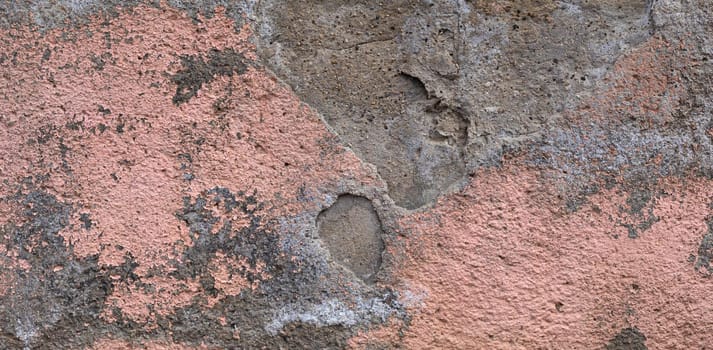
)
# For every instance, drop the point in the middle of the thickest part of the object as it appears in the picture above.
(356, 174)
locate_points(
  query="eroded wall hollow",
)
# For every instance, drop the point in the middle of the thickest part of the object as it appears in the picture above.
(351, 230)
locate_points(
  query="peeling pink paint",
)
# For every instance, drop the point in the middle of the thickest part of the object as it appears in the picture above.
(131, 181)
(6, 281)
(160, 296)
(641, 85)
(499, 265)
(229, 283)
(505, 268)
(115, 344)
(383, 337)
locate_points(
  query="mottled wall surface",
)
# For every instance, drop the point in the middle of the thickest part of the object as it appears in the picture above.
(356, 174)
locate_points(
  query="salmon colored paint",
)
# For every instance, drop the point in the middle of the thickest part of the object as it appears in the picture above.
(504, 267)
(138, 345)
(142, 306)
(641, 85)
(498, 265)
(119, 148)
(227, 282)
(386, 336)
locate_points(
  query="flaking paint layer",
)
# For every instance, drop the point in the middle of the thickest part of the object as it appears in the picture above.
(93, 121)
(160, 187)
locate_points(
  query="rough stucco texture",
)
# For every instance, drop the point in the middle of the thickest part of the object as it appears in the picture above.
(356, 174)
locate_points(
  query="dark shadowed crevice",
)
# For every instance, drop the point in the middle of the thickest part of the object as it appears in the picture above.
(418, 88)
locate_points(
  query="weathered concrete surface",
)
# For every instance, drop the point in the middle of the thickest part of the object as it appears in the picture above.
(356, 174)
(351, 231)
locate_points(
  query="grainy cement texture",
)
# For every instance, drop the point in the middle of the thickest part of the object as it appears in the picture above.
(310, 174)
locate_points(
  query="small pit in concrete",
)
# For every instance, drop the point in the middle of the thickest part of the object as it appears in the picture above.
(351, 231)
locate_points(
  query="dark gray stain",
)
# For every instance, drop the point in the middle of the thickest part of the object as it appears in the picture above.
(705, 251)
(199, 70)
(59, 291)
(104, 111)
(628, 339)
(98, 62)
(638, 200)
(46, 55)
(295, 276)
(86, 221)
(211, 234)
(57, 302)
(640, 207)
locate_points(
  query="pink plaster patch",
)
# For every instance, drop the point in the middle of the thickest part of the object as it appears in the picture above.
(228, 282)
(7, 279)
(384, 337)
(98, 118)
(9, 258)
(504, 267)
(156, 296)
(115, 344)
(643, 85)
